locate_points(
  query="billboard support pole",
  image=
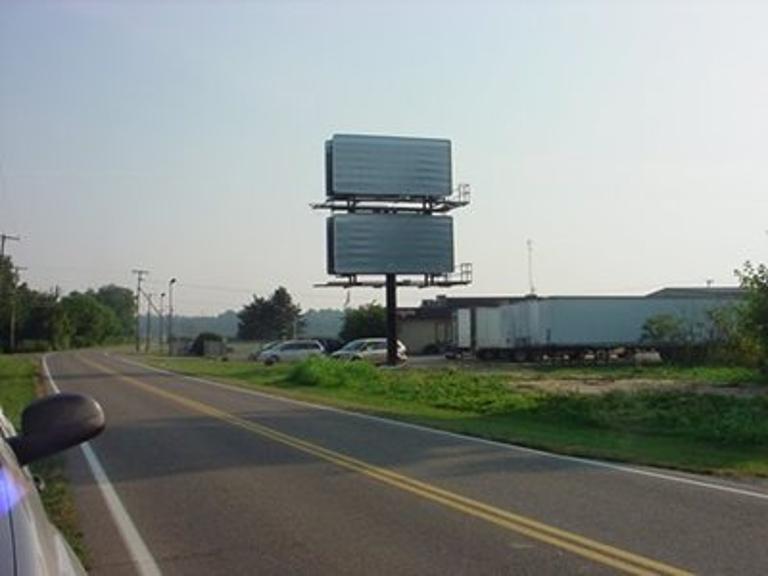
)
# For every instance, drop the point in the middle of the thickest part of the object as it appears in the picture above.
(391, 280)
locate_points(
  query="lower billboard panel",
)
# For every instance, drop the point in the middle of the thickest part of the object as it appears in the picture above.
(390, 244)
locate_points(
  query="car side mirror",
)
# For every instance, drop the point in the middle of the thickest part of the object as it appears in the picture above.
(55, 423)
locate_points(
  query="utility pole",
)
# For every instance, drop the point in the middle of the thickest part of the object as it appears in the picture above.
(12, 328)
(3, 238)
(171, 282)
(139, 278)
(150, 307)
(391, 290)
(149, 321)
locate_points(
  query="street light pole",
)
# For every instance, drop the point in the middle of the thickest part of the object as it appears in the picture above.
(171, 282)
(160, 326)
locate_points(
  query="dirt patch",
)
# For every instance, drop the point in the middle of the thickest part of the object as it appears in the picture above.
(603, 385)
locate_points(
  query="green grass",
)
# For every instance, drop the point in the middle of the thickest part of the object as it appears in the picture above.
(18, 387)
(711, 433)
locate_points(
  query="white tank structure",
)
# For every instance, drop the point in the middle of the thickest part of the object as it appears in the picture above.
(574, 326)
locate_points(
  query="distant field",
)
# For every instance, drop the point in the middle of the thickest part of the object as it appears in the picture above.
(679, 418)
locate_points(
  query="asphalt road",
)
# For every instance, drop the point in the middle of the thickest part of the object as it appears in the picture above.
(198, 478)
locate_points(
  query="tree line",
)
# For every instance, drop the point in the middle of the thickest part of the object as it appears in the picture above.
(278, 317)
(33, 320)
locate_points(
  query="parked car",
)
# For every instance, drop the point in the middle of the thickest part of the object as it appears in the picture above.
(291, 351)
(369, 349)
(255, 354)
(29, 543)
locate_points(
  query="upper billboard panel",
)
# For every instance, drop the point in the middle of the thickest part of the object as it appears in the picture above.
(387, 167)
(390, 244)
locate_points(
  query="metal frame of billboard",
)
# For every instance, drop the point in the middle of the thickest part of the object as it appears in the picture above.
(460, 278)
(409, 201)
(459, 199)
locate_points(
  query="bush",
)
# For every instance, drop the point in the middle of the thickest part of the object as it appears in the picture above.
(754, 279)
(328, 373)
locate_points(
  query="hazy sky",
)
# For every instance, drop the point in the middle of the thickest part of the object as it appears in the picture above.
(627, 139)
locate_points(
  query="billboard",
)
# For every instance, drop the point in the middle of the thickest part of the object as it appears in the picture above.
(389, 244)
(387, 167)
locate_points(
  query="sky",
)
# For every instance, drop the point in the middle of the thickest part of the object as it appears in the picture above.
(627, 140)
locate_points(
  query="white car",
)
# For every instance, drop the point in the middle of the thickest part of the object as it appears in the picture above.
(291, 351)
(370, 349)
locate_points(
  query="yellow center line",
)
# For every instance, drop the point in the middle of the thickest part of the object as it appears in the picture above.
(605, 554)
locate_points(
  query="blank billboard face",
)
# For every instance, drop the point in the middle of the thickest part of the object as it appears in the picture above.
(390, 244)
(387, 167)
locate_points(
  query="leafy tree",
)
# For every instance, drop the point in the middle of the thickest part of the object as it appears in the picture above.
(92, 322)
(730, 339)
(754, 279)
(368, 321)
(43, 323)
(122, 301)
(8, 281)
(665, 330)
(269, 318)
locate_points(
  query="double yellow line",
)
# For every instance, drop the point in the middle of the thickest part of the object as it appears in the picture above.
(604, 554)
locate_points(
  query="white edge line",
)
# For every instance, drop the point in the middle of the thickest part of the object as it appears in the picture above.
(142, 558)
(497, 444)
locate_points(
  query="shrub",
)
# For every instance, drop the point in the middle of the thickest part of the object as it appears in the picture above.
(328, 373)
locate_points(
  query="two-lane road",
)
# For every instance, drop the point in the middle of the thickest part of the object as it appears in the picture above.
(198, 478)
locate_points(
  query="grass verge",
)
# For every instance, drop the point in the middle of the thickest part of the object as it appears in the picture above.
(19, 385)
(708, 433)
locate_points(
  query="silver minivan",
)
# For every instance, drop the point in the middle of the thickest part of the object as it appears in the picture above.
(370, 349)
(291, 351)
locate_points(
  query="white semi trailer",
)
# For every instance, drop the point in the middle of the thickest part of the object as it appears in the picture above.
(574, 326)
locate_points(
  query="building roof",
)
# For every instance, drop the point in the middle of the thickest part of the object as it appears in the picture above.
(442, 306)
(699, 292)
(454, 302)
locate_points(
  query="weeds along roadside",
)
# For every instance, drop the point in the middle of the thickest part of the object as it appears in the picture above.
(677, 428)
